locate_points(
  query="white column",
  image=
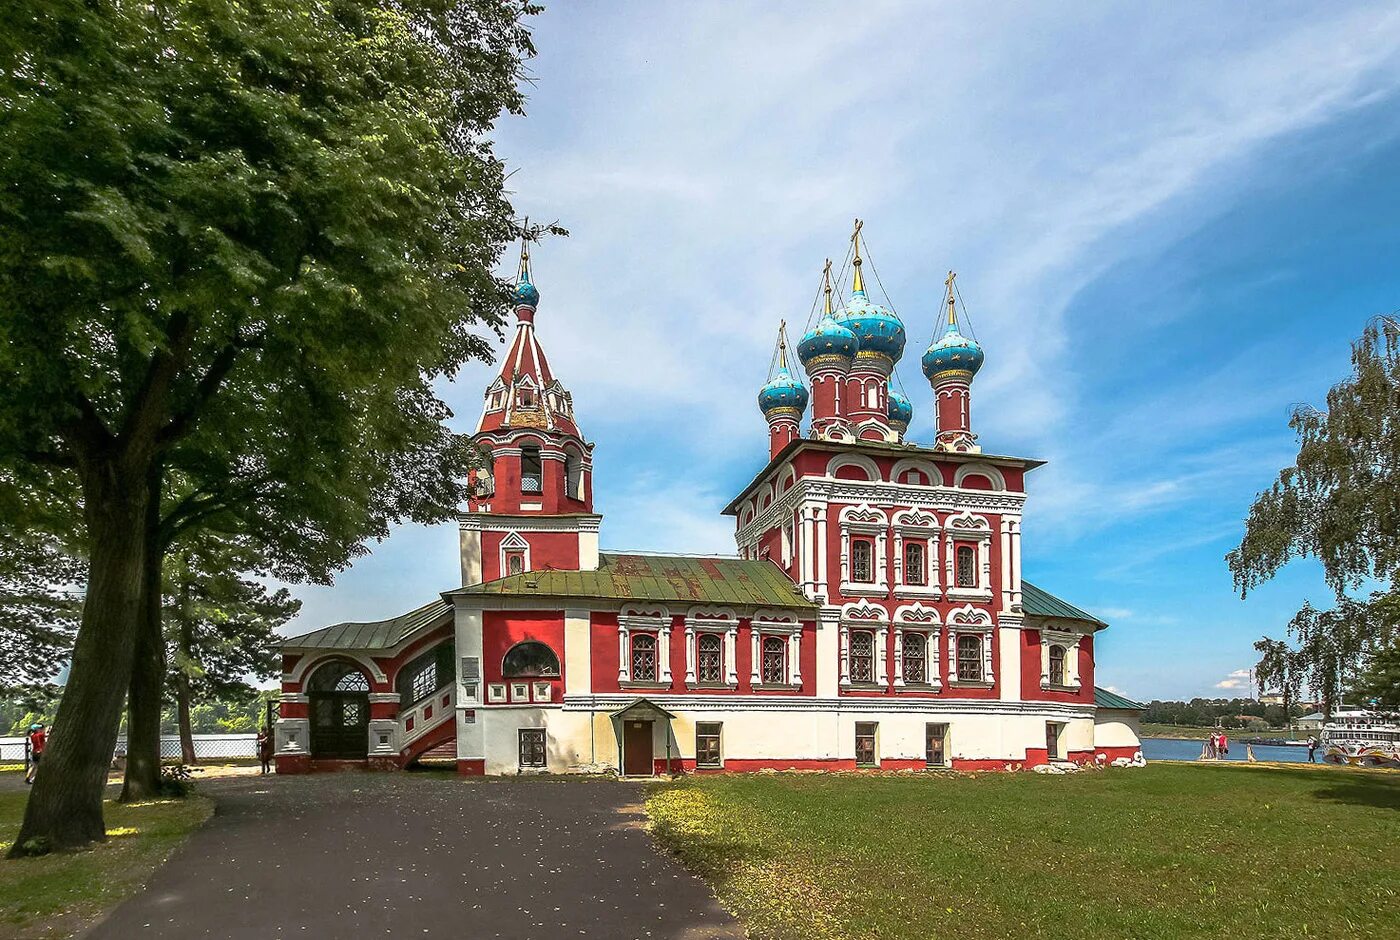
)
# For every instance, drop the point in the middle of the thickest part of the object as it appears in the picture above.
(1009, 639)
(578, 652)
(795, 658)
(689, 654)
(898, 558)
(899, 657)
(948, 560)
(1016, 563)
(624, 662)
(845, 654)
(823, 583)
(754, 674)
(845, 556)
(988, 637)
(731, 647)
(1005, 565)
(984, 548)
(663, 653)
(881, 656)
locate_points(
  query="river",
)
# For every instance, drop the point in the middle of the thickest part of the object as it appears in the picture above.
(1180, 749)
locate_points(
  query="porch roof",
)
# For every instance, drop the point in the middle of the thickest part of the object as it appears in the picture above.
(373, 634)
(1038, 602)
(1106, 699)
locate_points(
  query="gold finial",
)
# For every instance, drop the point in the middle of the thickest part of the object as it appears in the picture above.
(952, 310)
(857, 282)
(524, 273)
(782, 344)
(826, 286)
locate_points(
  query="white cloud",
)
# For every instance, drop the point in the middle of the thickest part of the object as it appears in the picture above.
(1239, 679)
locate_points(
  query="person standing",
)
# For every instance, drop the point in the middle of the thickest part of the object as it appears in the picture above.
(38, 740)
(1224, 746)
(265, 749)
(1312, 749)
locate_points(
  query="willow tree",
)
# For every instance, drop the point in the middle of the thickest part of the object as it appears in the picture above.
(273, 221)
(1339, 503)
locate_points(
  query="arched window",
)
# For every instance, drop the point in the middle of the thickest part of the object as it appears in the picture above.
(862, 561)
(916, 658)
(573, 476)
(969, 657)
(529, 660)
(967, 566)
(774, 660)
(530, 469)
(862, 656)
(915, 571)
(643, 657)
(338, 676)
(1057, 666)
(709, 659)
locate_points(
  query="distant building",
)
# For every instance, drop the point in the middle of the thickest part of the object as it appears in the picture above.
(875, 615)
(1311, 722)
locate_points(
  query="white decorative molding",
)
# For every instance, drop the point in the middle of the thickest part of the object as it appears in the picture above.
(837, 462)
(950, 705)
(514, 542)
(644, 618)
(480, 521)
(721, 620)
(979, 468)
(1069, 641)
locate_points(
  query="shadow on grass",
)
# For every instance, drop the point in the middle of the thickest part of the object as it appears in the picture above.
(1352, 786)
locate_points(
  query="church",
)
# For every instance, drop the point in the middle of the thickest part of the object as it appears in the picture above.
(874, 614)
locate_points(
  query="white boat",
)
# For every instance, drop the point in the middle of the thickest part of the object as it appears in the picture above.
(1362, 738)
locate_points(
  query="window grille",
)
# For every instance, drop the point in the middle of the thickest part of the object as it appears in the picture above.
(774, 660)
(532, 747)
(352, 682)
(352, 712)
(710, 658)
(865, 743)
(644, 658)
(862, 656)
(862, 561)
(515, 562)
(967, 566)
(970, 657)
(529, 660)
(531, 470)
(707, 743)
(425, 683)
(915, 571)
(1057, 666)
(915, 658)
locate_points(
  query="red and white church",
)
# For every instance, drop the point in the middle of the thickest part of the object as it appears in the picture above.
(874, 615)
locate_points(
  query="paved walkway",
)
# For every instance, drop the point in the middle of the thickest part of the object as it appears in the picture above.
(422, 855)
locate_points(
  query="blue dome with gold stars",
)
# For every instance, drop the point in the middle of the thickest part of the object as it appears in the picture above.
(827, 338)
(952, 354)
(526, 295)
(877, 329)
(783, 391)
(899, 410)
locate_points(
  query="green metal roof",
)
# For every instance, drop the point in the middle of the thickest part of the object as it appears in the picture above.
(1041, 603)
(1106, 699)
(374, 635)
(672, 578)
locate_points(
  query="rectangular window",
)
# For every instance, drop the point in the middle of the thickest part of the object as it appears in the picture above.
(1052, 740)
(862, 656)
(916, 658)
(967, 566)
(707, 743)
(531, 470)
(862, 561)
(935, 745)
(969, 657)
(915, 571)
(425, 682)
(644, 658)
(515, 562)
(532, 747)
(774, 660)
(865, 743)
(709, 658)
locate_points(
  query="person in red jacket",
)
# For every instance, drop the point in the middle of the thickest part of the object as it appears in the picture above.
(38, 739)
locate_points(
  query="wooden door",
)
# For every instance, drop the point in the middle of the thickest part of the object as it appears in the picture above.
(340, 724)
(636, 748)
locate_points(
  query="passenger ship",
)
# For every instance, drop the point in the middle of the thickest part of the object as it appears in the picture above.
(1362, 738)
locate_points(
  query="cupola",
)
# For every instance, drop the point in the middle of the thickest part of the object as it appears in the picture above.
(952, 356)
(899, 410)
(878, 330)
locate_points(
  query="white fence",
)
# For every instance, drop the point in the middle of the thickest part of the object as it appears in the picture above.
(206, 746)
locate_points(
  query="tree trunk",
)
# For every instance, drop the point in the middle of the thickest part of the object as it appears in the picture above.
(182, 708)
(65, 806)
(142, 781)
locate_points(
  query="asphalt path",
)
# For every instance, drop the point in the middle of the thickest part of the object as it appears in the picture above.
(422, 855)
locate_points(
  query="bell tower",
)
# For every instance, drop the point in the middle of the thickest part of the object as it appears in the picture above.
(531, 503)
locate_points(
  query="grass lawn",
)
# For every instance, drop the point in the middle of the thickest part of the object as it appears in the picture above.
(1165, 851)
(55, 895)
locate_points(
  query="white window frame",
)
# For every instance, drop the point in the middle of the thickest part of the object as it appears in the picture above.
(864, 615)
(1070, 641)
(720, 620)
(867, 521)
(916, 618)
(644, 620)
(968, 527)
(774, 623)
(514, 542)
(922, 526)
(971, 621)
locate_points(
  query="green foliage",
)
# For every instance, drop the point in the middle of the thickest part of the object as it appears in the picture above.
(1164, 852)
(1340, 504)
(1216, 712)
(1378, 683)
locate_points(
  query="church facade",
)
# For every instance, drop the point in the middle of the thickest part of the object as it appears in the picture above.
(874, 616)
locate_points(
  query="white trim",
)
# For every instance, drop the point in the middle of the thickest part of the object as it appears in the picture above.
(513, 542)
(845, 704)
(839, 461)
(979, 468)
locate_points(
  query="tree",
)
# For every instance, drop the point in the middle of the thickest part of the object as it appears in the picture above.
(1378, 684)
(220, 628)
(39, 582)
(1278, 669)
(1338, 503)
(270, 225)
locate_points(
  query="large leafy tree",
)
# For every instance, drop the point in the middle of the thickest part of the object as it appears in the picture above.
(269, 225)
(1340, 504)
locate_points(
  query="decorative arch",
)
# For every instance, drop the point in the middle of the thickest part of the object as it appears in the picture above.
(864, 463)
(993, 475)
(310, 663)
(514, 543)
(863, 514)
(917, 614)
(530, 659)
(925, 467)
(338, 675)
(865, 613)
(788, 478)
(969, 616)
(969, 523)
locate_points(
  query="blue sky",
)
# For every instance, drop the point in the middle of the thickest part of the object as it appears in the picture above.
(1168, 224)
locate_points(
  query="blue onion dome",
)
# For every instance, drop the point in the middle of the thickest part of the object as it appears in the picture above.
(827, 338)
(783, 394)
(878, 330)
(953, 357)
(526, 295)
(899, 410)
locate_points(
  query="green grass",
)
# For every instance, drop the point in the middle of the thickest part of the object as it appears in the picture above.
(1150, 730)
(55, 895)
(1165, 851)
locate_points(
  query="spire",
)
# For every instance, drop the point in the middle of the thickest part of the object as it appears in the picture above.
(527, 296)
(857, 282)
(782, 346)
(952, 304)
(524, 273)
(826, 287)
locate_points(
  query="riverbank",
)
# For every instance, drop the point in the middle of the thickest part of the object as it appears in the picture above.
(1185, 732)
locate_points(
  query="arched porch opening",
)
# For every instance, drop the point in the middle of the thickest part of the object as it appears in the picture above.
(338, 694)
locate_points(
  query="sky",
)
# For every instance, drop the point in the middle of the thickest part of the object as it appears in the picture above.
(1168, 224)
